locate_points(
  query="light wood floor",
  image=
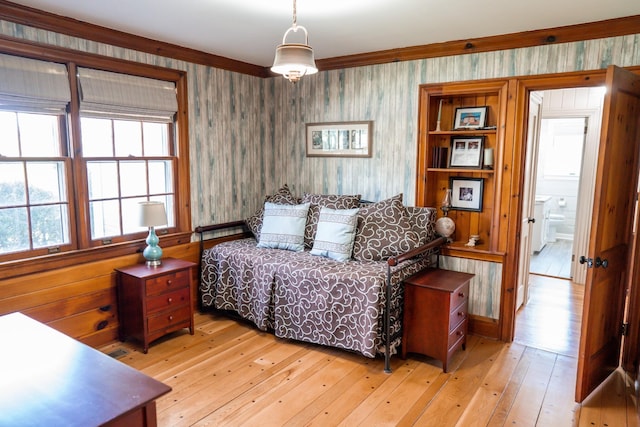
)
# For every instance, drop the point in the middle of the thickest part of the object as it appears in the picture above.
(230, 374)
(551, 318)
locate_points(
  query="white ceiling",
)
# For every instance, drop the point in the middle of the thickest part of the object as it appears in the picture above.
(250, 30)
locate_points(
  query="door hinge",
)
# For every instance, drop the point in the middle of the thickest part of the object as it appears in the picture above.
(624, 331)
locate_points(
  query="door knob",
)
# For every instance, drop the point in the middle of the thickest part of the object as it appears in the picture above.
(584, 260)
(533, 220)
(601, 262)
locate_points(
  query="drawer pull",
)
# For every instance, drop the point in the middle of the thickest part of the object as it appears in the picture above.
(459, 333)
(461, 313)
(169, 300)
(170, 317)
(169, 282)
(461, 294)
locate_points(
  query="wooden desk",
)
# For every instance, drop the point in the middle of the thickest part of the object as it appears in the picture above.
(50, 379)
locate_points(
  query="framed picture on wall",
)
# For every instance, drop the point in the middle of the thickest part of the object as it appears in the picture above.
(470, 118)
(466, 152)
(339, 139)
(466, 193)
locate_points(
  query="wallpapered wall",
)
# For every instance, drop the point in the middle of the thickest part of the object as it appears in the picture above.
(247, 134)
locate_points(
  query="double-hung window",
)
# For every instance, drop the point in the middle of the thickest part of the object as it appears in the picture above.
(34, 164)
(73, 171)
(127, 149)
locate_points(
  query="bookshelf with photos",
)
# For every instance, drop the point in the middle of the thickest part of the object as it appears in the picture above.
(461, 134)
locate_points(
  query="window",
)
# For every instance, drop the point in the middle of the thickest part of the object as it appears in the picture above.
(72, 172)
(34, 204)
(127, 162)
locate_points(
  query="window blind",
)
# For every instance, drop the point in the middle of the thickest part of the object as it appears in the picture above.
(121, 96)
(33, 85)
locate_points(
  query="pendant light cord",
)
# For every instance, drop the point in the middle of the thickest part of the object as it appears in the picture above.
(295, 17)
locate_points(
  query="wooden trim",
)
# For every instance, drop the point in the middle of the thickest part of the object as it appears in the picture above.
(572, 33)
(484, 326)
(67, 259)
(60, 24)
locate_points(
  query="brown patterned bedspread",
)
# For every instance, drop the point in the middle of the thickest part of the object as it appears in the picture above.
(305, 297)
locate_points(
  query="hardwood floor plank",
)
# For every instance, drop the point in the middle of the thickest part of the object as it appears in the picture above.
(456, 394)
(391, 411)
(506, 402)
(558, 399)
(230, 374)
(484, 402)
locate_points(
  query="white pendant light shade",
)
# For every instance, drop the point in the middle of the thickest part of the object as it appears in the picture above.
(294, 60)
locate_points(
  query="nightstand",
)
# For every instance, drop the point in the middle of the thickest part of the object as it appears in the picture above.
(154, 301)
(435, 313)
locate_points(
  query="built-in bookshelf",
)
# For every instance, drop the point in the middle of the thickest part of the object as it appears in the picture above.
(452, 151)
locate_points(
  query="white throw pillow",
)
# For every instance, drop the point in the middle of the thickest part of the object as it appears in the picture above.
(336, 233)
(283, 226)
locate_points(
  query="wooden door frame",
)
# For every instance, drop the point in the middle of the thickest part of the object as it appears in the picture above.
(520, 89)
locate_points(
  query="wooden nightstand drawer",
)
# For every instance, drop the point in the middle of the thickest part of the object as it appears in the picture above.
(460, 295)
(168, 282)
(168, 300)
(456, 335)
(166, 319)
(458, 315)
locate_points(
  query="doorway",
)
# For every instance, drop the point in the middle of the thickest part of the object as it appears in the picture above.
(562, 178)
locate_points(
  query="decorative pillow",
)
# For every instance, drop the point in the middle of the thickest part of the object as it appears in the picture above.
(383, 231)
(335, 234)
(422, 222)
(283, 226)
(317, 201)
(282, 197)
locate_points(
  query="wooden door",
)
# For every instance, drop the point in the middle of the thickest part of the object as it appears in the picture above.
(609, 258)
(528, 198)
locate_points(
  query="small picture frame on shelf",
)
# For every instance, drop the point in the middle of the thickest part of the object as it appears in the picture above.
(466, 152)
(470, 118)
(466, 193)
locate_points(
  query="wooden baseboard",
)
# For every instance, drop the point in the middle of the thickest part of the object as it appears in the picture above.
(484, 326)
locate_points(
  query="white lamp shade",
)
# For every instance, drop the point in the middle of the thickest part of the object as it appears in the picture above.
(294, 59)
(152, 214)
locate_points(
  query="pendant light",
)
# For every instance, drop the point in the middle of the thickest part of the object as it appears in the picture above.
(294, 60)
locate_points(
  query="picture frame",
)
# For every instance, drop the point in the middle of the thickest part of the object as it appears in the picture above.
(466, 152)
(339, 139)
(470, 118)
(466, 193)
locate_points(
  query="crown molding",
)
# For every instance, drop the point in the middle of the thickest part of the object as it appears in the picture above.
(60, 24)
(593, 30)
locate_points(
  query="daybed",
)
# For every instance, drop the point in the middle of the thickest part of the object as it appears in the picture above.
(315, 292)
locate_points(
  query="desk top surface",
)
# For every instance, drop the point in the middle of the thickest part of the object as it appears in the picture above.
(48, 378)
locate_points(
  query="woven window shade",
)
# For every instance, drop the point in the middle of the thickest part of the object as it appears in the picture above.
(33, 85)
(121, 96)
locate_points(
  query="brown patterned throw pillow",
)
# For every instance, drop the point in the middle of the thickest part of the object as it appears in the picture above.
(332, 201)
(282, 197)
(384, 230)
(423, 223)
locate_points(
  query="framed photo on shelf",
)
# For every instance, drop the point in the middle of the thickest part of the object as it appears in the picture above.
(466, 193)
(466, 152)
(339, 139)
(470, 118)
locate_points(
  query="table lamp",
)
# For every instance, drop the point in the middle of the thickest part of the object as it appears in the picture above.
(152, 214)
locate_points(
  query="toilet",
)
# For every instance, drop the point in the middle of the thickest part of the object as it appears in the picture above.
(553, 222)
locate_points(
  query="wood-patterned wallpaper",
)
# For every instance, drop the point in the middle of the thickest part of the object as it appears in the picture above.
(248, 133)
